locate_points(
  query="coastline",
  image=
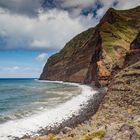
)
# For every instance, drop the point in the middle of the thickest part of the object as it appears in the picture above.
(87, 109)
(118, 116)
(70, 113)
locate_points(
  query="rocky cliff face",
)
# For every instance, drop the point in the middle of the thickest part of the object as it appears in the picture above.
(93, 54)
(118, 117)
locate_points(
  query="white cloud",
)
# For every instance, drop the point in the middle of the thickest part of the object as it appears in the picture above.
(127, 4)
(51, 29)
(75, 7)
(42, 57)
(15, 68)
(26, 7)
(77, 3)
(16, 71)
(10, 69)
(39, 43)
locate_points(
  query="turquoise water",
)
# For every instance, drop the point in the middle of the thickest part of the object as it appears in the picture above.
(20, 98)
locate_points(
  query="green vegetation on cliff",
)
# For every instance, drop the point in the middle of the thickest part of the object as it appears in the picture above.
(119, 33)
(93, 53)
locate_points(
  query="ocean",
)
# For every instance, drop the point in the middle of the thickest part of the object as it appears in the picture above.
(28, 105)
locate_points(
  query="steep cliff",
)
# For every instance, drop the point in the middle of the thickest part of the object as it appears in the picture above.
(93, 54)
(118, 117)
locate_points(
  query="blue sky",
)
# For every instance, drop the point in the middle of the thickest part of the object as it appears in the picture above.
(33, 30)
(22, 63)
(19, 64)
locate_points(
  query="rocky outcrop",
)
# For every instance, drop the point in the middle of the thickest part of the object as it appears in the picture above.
(136, 43)
(90, 56)
(134, 53)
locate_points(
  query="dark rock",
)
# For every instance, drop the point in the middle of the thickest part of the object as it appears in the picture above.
(126, 132)
(136, 43)
(66, 129)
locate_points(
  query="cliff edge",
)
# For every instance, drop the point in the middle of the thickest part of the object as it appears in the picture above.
(92, 55)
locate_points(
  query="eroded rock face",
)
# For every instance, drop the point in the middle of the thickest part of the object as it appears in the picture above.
(91, 56)
(134, 54)
(136, 43)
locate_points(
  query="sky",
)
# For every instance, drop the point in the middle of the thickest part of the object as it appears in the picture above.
(32, 30)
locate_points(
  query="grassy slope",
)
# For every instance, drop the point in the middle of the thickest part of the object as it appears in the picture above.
(117, 36)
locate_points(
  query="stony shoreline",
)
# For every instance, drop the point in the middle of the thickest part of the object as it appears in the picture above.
(118, 116)
(85, 113)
